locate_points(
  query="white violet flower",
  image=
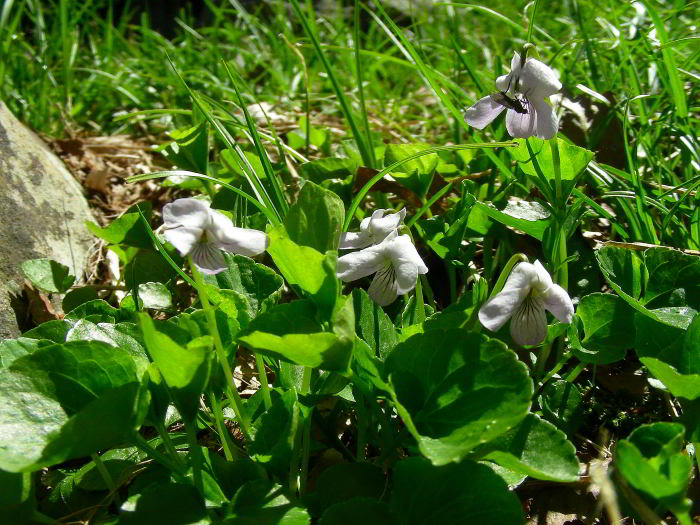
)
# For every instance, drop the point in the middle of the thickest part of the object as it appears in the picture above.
(373, 230)
(523, 92)
(395, 261)
(528, 291)
(200, 232)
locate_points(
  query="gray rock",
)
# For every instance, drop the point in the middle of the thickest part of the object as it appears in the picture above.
(42, 213)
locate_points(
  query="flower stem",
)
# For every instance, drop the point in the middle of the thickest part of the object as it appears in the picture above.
(175, 467)
(167, 442)
(265, 387)
(562, 267)
(542, 361)
(104, 473)
(220, 426)
(231, 392)
(196, 456)
(306, 434)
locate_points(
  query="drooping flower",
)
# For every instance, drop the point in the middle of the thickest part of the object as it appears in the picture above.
(200, 232)
(395, 261)
(523, 92)
(528, 292)
(373, 230)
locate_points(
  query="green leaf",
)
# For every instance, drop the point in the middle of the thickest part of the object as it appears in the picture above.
(47, 275)
(466, 492)
(274, 432)
(55, 331)
(651, 461)
(316, 218)
(373, 325)
(572, 160)
(291, 332)
(98, 311)
(320, 350)
(17, 500)
(12, 349)
(561, 404)
(172, 503)
(147, 266)
(623, 268)
(607, 320)
(671, 353)
(456, 391)
(151, 295)
(319, 137)
(65, 401)
(329, 168)
(416, 174)
(126, 229)
(535, 447)
(261, 502)
(185, 370)
(344, 482)
(529, 217)
(674, 278)
(189, 149)
(124, 336)
(367, 511)
(260, 285)
(75, 298)
(307, 268)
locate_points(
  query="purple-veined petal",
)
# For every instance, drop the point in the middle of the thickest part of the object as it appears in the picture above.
(208, 258)
(497, 310)
(557, 301)
(383, 287)
(191, 213)
(547, 122)
(360, 264)
(521, 125)
(226, 236)
(483, 112)
(528, 326)
(183, 238)
(402, 251)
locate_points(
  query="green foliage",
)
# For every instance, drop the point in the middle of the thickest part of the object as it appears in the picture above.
(316, 219)
(650, 459)
(127, 229)
(307, 268)
(49, 276)
(416, 174)
(456, 493)
(341, 411)
(535, 448)
(185, 371)
(459, 391)
(534, 157)
(74, 388)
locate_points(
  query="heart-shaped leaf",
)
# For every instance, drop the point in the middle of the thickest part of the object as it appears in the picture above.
(457, 391)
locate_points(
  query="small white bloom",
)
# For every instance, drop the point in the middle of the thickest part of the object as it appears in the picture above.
(394, 260)
(197, 230)
(528, 291)
(528, 113)
(373, 230)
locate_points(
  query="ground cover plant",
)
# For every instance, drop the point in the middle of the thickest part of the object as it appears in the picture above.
(334, 309)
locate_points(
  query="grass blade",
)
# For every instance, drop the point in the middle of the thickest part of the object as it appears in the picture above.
(359, 140)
